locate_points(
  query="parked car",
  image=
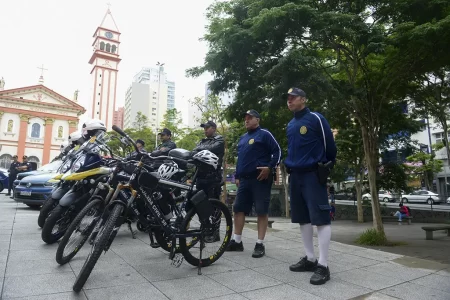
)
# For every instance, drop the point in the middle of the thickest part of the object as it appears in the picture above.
(383, 195)
(3, 179)
(35, 189)
(344, 195)
(448, 200)
(422, 196)
(48, 168)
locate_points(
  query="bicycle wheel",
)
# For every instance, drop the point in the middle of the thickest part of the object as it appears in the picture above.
(101, 241)
(56, 224)
(48, 206)
(79, 231)
(220, 214)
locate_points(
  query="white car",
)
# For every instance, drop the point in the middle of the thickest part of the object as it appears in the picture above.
(448, 200)
(383, 195)
(422, 196)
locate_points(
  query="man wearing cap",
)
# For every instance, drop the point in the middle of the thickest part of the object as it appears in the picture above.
(25, 166)
(258, 156)
(13, 171)
(311, 154)
(210, 182)
(167, 144)
(140, 145)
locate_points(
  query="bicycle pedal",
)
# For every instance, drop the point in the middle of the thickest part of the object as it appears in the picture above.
(177, 260)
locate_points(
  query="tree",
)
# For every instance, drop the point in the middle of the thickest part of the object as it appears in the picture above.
(141, 122)
(425, 165)
(393, 177)
(172, 120)
(190, 138)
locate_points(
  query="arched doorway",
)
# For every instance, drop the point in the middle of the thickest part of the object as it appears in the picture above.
(35, 160)
(5, 161)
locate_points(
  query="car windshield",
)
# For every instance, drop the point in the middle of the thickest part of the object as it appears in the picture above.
(53, 166)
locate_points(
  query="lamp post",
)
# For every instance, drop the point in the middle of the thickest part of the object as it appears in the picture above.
(160, 67)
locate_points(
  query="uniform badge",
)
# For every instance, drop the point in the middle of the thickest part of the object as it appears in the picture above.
(290, 90)
(303, 130)
(251, 141)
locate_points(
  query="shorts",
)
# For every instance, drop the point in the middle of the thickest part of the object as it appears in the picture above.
(253, 191)
(309, 199)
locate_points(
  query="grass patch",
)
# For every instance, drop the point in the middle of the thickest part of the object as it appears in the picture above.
(371, 237)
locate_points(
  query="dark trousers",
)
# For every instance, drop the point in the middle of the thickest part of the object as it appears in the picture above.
(210, 184)
(11, 179)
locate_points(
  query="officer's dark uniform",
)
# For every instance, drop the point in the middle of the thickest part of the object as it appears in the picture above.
(165, 147)
(134, 154)
(210, 182)
(256, 148)
(12, 175)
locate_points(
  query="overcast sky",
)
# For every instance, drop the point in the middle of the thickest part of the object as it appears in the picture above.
(58, 34)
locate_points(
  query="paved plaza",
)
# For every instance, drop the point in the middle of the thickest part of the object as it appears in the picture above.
(133, 270)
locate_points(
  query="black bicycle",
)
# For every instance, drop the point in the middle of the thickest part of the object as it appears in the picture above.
(207, 212)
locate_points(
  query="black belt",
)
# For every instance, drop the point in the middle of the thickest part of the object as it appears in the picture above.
(304, 170)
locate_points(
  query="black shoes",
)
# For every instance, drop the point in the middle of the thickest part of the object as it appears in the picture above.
(259, 251)
(320, 276)
(304, 265)
(321, 273)
(233, 246)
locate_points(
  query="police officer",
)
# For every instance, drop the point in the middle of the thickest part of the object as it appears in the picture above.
(167, 144)
(210, 182)
(25, 166)
(258, 156)
(13, 171)
(140, 144)
(311, 153)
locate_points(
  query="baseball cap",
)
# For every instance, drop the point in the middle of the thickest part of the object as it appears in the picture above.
(208, 124)
(166, 132)
(252, 113)
(140, 142)
(295, 92)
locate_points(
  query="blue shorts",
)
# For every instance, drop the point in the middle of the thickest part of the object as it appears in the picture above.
(309, 199)
(253, 191)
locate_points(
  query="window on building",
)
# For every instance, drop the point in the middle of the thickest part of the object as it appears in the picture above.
(440, 137)
(10, 126)
(60, 131)
(153, 109)
(36, 130)
(113, 49)
(5, 161)
(102, 46)
(153, 114)
(108, 47)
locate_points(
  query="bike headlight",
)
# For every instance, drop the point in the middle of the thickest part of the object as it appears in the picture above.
(78, 163)
(65, 166)
(51, 183)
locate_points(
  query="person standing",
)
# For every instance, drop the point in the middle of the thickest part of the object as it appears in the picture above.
(331, 191)
(210, 182)
(25, 166)
(311, 153)
(258, 156)
(13, 171)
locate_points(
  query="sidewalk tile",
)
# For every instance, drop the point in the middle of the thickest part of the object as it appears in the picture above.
(285, 292)
(141, 291)
(245, 280)
(368, 279)
(334, 289)
(397, 271)
(409, 291)
(435, 281)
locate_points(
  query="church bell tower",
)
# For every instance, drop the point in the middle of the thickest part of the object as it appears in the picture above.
(105, 63)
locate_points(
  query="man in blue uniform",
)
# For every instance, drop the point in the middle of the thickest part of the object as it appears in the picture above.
(258, 156)
(13, 171)
(311, 154)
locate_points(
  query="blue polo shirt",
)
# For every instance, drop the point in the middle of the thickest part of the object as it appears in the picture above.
(306, 141)
(256, 148)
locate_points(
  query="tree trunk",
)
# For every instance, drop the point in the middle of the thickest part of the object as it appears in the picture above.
(370, 141)
(286, 189)
(358, 187)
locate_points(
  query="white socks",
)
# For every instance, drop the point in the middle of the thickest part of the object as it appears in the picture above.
(324, 235)
(237, 238)
(307, 237)
(260, 241)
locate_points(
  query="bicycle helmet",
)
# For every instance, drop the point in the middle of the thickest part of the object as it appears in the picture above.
(208, 158)
(75, 137)
(167, 170)
(91, 126)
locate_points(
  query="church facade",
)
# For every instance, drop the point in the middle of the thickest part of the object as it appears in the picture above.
(35, 121)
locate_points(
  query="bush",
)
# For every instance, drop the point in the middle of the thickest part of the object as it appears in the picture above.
(371, 237)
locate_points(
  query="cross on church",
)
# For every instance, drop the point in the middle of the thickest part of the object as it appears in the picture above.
(42, 69)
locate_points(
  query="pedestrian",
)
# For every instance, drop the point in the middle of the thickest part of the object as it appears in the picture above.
(166, 143)
(311, 153)
(402, 213)
(331, 191)
(258, 156)
(211, 181)
(13, 171)
(25, 166)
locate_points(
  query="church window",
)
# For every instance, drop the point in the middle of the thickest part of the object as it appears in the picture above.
(113, 49)
(5, 161)
(36, 130)
(10, 126)
(108, 47)
(102, 46)
(60, 132)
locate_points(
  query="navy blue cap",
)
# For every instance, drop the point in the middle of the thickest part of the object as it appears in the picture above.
(252, 113)
(165, 131)
(140, 142)
(208, 124)
(295, 92)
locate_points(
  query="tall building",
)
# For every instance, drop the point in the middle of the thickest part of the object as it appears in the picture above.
(226, 98)
(35, 121)
(105, 62)
(118, 117)
(151, 94)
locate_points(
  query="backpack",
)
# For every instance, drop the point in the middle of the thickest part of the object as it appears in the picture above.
(409, 210)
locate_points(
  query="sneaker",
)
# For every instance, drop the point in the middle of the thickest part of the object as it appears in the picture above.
(233, 246)
(259, 251)
(8, 194)
(320, 276)
(304, 265)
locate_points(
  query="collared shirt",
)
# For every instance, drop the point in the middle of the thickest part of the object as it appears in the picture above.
(257, 148)
(13, 166)
(306, 146)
